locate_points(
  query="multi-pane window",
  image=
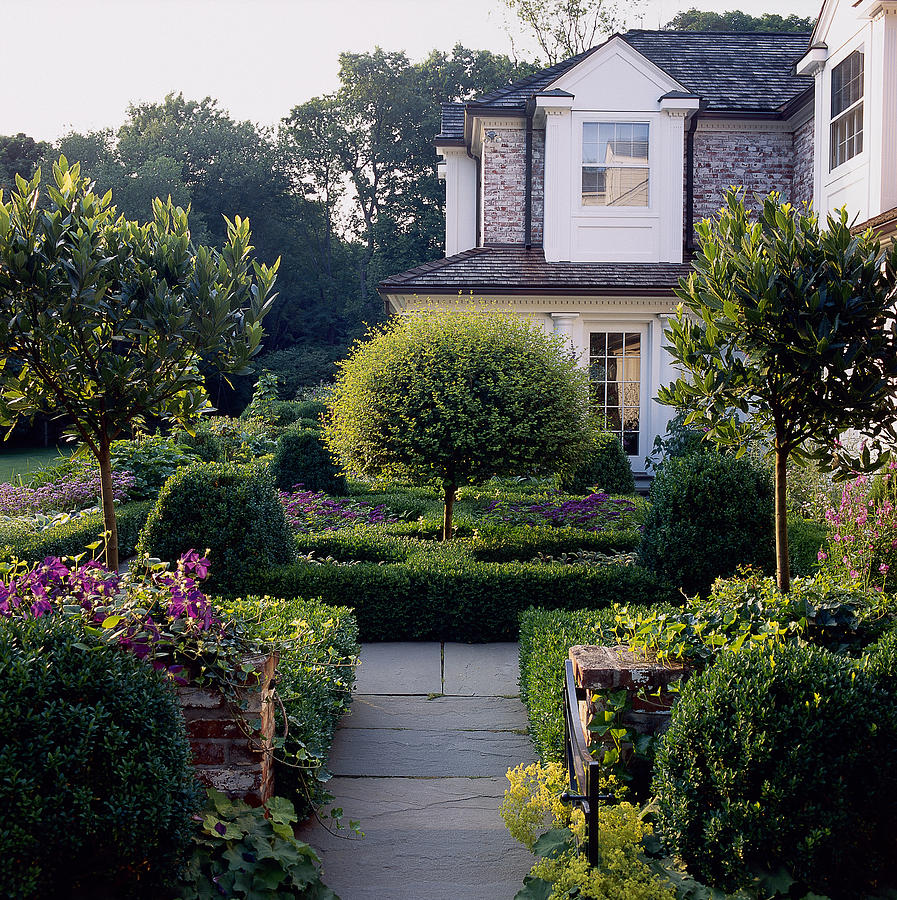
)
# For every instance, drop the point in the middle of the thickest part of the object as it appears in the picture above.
(615, 360)
(615, 168)
(847, 109)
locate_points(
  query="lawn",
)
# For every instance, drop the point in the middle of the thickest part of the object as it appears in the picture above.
(17, 463)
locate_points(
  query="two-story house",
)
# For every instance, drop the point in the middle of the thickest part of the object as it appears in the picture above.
(571, 195)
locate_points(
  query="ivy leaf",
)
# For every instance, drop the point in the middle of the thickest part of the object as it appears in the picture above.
(534, 889)
(553, 842)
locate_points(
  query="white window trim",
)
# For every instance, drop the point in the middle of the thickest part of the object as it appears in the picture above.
(848, 167)
(615, 212)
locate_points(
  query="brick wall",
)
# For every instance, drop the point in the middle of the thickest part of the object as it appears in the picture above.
(538, 186)
(504, 170)
(761, 161)
(233, 748)
(803, 163)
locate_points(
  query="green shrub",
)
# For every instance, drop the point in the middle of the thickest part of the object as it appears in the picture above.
(203, 443)
(604, 465)
(318, 648)
(782, 757)
(96, 785)
(310, 409)
(678, 441)
(233, 511)
(448, 595)
(709, 514)
(302, 458)
(72, 538)
(359, 544)
(502, 543)
(545, 637)
(805, 539)
(152, 461)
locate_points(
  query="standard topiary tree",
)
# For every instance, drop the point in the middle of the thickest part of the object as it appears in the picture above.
(301, 458)
(105, 321)
(709, 513)
(787, 334)
(96, 783)
(783, 757)
(453, 398)
(603, 465)
(231, 510)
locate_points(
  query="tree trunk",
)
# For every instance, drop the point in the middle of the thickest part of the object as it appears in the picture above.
(447, 515)
(783, 565)
(110, 526)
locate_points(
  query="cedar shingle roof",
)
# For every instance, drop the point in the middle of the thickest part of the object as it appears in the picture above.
(730, 71)
(515, 270)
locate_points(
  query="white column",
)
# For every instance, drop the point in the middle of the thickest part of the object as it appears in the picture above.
(460, 201)
(565, 324)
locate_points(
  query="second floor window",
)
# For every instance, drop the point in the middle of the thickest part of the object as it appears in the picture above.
(847, 109)
(615, 169)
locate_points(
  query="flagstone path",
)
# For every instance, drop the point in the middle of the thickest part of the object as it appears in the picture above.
(420, 762)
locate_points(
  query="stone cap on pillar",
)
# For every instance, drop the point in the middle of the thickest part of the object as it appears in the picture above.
(610, 668)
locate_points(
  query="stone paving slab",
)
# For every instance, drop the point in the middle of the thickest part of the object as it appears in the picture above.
(438, 714)
(425, 839)
(481, 670)
(400, 668)
(400, 752)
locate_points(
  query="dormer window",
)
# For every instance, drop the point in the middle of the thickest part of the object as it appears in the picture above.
(615, 169)
(847, 109)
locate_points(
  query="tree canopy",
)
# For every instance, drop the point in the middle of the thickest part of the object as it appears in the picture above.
(735, 20)
(453, 398)
(787, 334)
(106, 321)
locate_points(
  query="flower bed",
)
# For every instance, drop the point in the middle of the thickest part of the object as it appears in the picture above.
(595, 512)
(310, 512)
(70, 493)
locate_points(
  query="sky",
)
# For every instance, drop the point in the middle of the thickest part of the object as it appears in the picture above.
(75, 65)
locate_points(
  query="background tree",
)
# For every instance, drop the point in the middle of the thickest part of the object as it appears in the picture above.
(565, 28)
(453, 398)
(105, 320)
(735, 20)
(787, 332)
(19, 155)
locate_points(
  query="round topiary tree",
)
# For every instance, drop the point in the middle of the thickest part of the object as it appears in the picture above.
(709, 514)
(604, 465)
(782, 757)
(233, 511)
(453, 398)
(96, 784)
(302, 458)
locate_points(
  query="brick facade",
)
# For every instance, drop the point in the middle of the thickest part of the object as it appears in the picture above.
(803, 163)
(760, 161)
(503, 173)
(538, 186)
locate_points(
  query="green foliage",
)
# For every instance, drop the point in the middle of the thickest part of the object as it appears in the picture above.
(806, 538)
(204, 443)
(709, 514)
(782, 756)
(105, 321)
(233, 511)
(453, 398)
(95, 776)
(151, 460)
(73, 538)
(302, 366)
(251, 854)
(735, 20)
(19, 155)
(302, 458)
(442, 593)
(545, 637)
(678, 440)
(604, 465)
(263, 399)
(311, 409)
(317, 648)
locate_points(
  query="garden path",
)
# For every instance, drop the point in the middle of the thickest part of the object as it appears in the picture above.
(420, 762)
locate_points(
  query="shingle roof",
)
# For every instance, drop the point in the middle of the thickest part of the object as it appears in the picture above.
(515, 270)
(729, 71)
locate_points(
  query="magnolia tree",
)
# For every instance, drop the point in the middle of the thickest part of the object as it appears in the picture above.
(105, 321)
(788, 332)
(453, 398)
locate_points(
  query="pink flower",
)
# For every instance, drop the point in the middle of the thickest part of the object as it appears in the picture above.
(883, 568)
(821, 555)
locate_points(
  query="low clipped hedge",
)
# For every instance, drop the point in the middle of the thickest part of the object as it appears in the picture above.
(317, 646)
(96, 784)
(300, 458)
(72, 538)
(449, 595)
(604, 466)
(232, 511)
(784, 757)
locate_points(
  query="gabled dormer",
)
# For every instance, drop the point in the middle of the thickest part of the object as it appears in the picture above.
(853, 56)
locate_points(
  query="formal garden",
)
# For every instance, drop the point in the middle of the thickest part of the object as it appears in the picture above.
(450, 486)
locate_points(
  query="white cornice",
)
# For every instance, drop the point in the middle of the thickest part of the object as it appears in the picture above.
(554, 305)
(813, 60)
(752, 125)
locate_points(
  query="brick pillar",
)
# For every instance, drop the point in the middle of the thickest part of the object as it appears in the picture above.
(618, 668)
(230, 752)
